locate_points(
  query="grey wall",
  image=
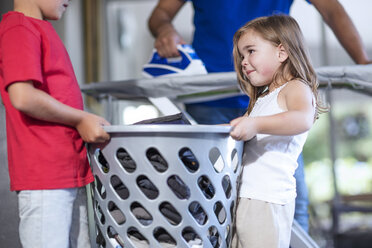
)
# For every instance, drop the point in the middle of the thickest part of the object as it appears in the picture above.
(8, 202)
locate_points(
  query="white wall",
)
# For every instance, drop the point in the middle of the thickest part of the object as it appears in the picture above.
(70, 29)
(128, 39)
(126, 61)
(310, 22)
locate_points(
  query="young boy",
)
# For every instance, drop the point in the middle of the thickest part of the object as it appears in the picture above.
(46, 127)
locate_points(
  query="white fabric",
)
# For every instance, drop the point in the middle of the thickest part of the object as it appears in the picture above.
(269, 161)
(53, 218)
(260, 224)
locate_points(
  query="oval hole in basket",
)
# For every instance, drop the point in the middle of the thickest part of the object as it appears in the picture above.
(136, 237)
(141, 214)
(99, 213)
(234, 160)
(162, 236)
(226, 185)
(228, 234)
(99, 187)
(147, 187)
(214, 237)
(188, 159)
(170, 213)
(126, 160)
(120, 189)
(156, 159)
(116, 213)
(216, 159)
(206, 186)
(198, 213)
(116, 239)
(100, 240)
(192, 237)
(232, 210)
(220, 212)
(179, 188)
(102, 162)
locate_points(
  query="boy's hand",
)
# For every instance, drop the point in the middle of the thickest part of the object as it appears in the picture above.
(244, 128)
(39, 105)
(90, 128)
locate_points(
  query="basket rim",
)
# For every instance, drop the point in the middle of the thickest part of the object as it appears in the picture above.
(167, 128)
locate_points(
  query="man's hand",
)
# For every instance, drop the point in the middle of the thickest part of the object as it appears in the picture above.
(161, 27)
(167, 41)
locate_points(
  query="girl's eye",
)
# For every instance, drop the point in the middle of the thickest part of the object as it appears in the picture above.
(250, 51)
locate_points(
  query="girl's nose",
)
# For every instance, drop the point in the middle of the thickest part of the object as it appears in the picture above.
(244, 63)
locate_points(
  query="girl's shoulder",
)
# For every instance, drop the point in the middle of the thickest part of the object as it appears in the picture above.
(295, 85)
(294, 92)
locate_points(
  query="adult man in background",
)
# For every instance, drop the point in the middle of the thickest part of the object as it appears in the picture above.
(215, 24)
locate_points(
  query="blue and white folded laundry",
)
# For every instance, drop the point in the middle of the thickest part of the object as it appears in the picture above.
(188, 63)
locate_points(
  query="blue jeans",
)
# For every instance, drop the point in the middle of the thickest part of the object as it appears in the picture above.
(216, 115)
(213, 115)
(302, 199)
(53, 218)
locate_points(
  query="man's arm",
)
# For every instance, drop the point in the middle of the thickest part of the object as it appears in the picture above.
(39, 105)
(339, 21)
(161, 27)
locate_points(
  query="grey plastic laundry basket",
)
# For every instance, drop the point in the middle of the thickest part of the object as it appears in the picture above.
(165, 186)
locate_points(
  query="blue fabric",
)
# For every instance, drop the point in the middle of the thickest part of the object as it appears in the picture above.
(220, 20)
(302, 199)
(215, 24)
(228, 102)
(213, 115)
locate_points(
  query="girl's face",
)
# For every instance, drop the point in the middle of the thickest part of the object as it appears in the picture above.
(260, 58)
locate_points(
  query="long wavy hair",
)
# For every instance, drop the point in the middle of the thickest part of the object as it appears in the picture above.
(284, 30)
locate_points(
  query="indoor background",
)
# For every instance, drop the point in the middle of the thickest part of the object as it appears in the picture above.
(108, 40)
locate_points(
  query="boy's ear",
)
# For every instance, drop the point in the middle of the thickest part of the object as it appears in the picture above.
(282, 53)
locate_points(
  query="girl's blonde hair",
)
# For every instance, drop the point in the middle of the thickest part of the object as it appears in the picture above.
(284, 30)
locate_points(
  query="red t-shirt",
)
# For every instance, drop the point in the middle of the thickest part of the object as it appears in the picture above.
(41, 155)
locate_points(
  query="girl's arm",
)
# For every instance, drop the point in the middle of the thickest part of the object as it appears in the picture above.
(39, 105)
(297, 99)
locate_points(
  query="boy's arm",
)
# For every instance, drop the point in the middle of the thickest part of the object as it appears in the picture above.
(38, 104)
(298, 118)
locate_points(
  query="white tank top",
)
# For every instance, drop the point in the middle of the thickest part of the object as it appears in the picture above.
(269, 161)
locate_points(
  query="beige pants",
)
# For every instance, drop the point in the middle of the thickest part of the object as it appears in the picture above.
(263, 225)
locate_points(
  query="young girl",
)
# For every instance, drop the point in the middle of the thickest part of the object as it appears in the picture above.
(274, 70)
